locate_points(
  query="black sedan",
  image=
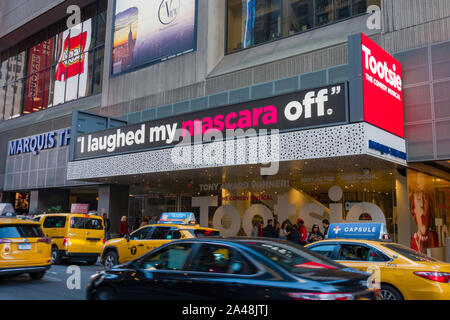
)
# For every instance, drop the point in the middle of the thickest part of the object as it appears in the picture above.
(230, 269)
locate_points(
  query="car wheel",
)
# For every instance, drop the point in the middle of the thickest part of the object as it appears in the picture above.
(91, 261)
(37, 275)
(105, 293)
(388, 292)
(56, 257)
(110, 259)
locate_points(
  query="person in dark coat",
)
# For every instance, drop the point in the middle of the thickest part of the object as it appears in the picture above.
(315, 234)
(107, 224)
(269, 231)
(293, 234)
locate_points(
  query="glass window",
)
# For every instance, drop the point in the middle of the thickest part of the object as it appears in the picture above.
(77, 223)
(160, 233)
(101, 29)
(199, 233)
(2, 101)
(174, 233)
(301, 16)
(21, 231)
(220, 259)
(324, 12)
(292, 258)
(55, 222)
(252, 22)
(10, 93)
(97, 80)
(141, 234)
(18, 97)
(3, 71)
(341, 9)
(408, 252)
(326, 250)
(93, 224)
(172, 257)
(355, 252)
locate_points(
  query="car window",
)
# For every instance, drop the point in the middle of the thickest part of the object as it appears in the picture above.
(408, 252)
(291, 257)
(160, 233)
(325, 250)
(142, 234)
(173, 234)
(21, 231)
(172, 257)
(54, 222)
(86, 223)
(220, 259)
(358, 252)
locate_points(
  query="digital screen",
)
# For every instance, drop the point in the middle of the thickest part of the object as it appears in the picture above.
(149, 31)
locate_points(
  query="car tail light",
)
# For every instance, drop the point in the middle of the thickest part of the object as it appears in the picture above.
(45, 240)
(434, 276)
(104, 240)
(66, 242)
(5, 241)
(320, 296)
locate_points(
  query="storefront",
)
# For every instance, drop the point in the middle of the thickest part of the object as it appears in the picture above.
(35, 179)
(334, 152)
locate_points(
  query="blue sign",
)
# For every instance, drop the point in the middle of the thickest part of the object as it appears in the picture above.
(178, 218)
(387, 150)
(367, 231)
(36, 143)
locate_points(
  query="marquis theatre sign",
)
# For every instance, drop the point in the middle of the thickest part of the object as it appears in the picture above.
(377, 82)
(310, 108)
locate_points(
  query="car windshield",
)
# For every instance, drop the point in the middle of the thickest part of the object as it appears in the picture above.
(20, 231)
(409, 253)
(292, 258)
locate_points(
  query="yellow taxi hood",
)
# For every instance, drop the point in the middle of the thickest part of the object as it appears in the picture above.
(114, 241)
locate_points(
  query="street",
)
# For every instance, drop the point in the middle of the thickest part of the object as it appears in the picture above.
(52, 287)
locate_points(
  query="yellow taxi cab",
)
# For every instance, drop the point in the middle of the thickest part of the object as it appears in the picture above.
(172, 226)
(74, 236)
(23, 247)
(403, 272)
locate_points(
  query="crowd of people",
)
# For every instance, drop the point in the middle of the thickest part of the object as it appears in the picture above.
(296, 232)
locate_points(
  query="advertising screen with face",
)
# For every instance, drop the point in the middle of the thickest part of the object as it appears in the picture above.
(382, 86)
(150, 31)
(422, 207)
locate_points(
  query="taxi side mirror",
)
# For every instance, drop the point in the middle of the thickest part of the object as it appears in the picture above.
(127, 236)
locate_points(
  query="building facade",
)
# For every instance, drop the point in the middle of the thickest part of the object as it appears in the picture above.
(128, 67)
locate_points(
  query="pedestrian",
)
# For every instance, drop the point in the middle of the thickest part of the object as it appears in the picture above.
(277, 229)
(315, 234)
(107, 224)
(325, 225)
(302, 231)
(283, 233)
(154, 220)
(293, 234)
(137, 223)
(255, 230)
(144, 222)
(269, 230)
(124, 230)
(260, 227)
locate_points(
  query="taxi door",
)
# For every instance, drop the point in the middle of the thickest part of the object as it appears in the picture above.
(135, 246)
(76, 234)
(363, 257)
(55, 227)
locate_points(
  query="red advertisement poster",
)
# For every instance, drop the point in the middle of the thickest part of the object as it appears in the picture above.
(36, 97)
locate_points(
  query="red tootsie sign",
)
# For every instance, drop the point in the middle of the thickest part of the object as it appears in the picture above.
(382, 87)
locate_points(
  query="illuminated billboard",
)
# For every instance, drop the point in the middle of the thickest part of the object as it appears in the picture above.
(149, 31)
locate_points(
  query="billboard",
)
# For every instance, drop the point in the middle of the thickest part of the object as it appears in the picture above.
(311, 108)
(71, 72)
(149, 31)
(376, 85)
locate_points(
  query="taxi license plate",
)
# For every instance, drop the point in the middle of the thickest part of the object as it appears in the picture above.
(24, 246)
